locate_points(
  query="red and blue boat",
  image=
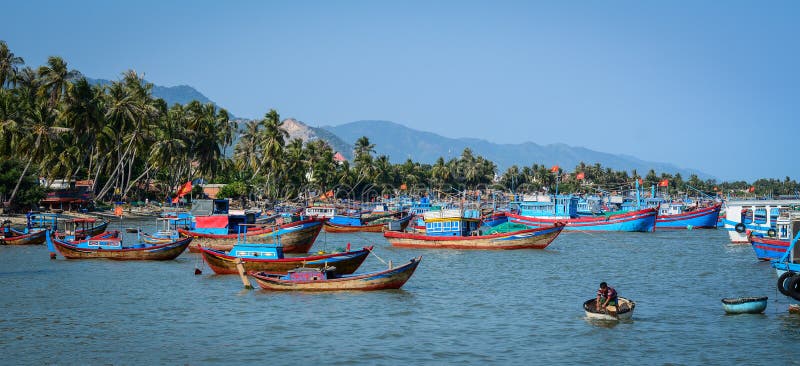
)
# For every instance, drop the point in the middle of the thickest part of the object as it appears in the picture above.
(564, 209)
(774, 243)
(679, 216)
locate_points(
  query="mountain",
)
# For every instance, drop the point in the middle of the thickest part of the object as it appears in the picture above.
(400, 143)
(298, 129)
(181, 94)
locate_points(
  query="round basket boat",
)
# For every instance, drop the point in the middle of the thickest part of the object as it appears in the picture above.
(745, 305)
(624, 310)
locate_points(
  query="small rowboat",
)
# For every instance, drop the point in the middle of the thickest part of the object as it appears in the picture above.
(745, 305)
(308, 279)
(624, 310)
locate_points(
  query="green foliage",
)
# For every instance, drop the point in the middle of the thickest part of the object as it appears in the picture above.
(30, 192)
(233, 190)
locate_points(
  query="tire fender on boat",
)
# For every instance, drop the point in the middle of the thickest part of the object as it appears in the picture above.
(771, 233)
(740, 228)
(794, 288)
(783, 283)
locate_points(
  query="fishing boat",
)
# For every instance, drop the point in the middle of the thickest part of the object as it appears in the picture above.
(269, 258)
(393, 225)
(325, 279)
(624, 310)
(787, 267)
(34, 238)
(112, 248)
(564, 209)
(458, 229)
(746, 217)
(296, 237)
(677, 215)
(745, 305)
(776, 241)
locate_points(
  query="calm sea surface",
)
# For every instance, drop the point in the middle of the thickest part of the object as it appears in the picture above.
(474, 307)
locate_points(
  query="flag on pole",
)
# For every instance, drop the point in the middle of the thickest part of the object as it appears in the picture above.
(185, 189)
(751, 189)
(554, 169)
(329, 193)
(580, 176)
(403, 187)
(664, 183)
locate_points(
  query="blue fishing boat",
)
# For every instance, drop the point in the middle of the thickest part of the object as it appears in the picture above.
(745, 305)
(755, 217)
(787, 268)
(564, 209)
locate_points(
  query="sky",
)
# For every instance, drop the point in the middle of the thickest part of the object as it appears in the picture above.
(708, 85)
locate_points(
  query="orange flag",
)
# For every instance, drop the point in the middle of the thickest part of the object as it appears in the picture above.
(554, 169)
(580, 176)
(329, 193)
(751, 189)
(403, 187)
(664, 183)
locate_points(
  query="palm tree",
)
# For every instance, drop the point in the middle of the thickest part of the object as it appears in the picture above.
(55, 78)
(35, 136)
(8, 65)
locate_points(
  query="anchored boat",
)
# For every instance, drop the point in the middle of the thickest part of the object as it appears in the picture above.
(745, 305)
(309, 279)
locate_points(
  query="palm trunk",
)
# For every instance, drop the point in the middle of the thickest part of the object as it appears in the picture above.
(25, 170)
(116, 169)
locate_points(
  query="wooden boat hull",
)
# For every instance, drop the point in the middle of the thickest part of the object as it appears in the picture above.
(524, 239)
(626, 307)
(745, 305)
(389, 279)
(642, 220)
(768, 249)
(158, 252)
(296, 237)
(704, 218)
(345, 263)
(37, 237)
(335, 228)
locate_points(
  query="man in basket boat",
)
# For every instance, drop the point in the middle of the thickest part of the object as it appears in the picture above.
(606, 299)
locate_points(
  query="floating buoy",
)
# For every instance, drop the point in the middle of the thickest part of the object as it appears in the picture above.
(197, 271)
(52, 255)
(689, 227)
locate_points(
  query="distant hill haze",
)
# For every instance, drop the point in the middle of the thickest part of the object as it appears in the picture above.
(400, 143)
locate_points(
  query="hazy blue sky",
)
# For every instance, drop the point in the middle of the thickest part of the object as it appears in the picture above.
(711, 85)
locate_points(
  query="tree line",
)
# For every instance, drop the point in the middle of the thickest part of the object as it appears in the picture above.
(131, 145)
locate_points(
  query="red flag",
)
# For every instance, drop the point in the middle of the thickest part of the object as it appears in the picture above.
(554, 169)
(751, 189)
(403, 187)
(580, 176)
(640, 181)
(664, 183)
(185, 189)
(329, 193)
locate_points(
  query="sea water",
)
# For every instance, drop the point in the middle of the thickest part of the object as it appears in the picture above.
(470, 307)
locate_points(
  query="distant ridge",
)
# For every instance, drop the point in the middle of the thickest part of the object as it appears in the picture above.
(400, 143)
(298, 129)
(181, 94)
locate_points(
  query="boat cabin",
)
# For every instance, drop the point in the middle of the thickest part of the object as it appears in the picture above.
(215, 217)
(38, 221)
(452, 222)
(257, 251)
(558, 207)
(309, 274)
(321, 211)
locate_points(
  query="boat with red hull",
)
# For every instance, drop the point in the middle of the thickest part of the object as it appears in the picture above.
(112, 248)
(538, 238)
(296, 237)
